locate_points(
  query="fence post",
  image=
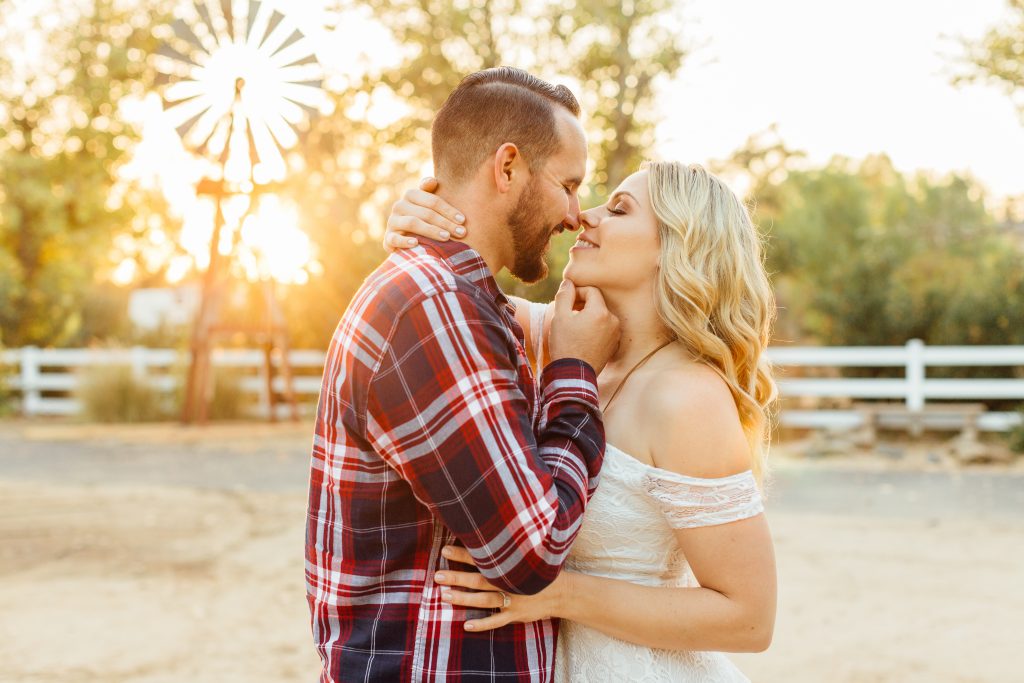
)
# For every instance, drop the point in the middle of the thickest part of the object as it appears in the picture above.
(915, 376)
(138, 362)
(31, 397)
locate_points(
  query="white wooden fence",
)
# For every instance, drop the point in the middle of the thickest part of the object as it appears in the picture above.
(46, 378)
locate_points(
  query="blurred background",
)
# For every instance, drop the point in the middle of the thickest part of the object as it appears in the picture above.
(191, 192)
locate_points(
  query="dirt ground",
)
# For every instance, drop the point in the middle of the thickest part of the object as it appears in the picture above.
(158, 554)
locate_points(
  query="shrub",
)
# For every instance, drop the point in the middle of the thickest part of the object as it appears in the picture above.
(6, 395)
(1016, 436)
(113, 394)
(228, 402)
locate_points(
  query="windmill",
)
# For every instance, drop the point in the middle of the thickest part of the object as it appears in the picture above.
(239, 79)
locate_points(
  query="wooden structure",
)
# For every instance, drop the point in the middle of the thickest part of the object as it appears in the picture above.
(208, 50)
(270, 334)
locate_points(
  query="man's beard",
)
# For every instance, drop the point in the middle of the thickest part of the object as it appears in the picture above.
(530, 238)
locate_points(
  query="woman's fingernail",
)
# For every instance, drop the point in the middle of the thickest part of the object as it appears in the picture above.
(459, 218)
(445, 235)
(460, 231)
(440, 577)
(446, 551)
(411, 242)
(470, 626)
(446, 596)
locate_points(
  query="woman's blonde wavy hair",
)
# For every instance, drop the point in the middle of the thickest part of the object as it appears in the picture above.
(712, 290)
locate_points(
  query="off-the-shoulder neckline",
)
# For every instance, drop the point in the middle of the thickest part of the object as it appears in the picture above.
(668, 474)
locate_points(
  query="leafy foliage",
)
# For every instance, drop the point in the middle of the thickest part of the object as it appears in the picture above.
(864, 255)
(998, 56)
(114, 394)
(357, 164)
(62, 139)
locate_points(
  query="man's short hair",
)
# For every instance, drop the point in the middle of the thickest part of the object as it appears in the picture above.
(492, 107)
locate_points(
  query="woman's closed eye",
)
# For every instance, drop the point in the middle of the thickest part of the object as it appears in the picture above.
(617, 210)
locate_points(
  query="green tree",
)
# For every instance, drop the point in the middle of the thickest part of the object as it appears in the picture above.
(998, 56)
(864, 255)
(359, 167)
(61, 142)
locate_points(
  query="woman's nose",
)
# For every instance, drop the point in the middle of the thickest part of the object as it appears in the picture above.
(589, 218)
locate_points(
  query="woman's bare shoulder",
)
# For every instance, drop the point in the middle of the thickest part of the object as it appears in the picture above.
(694, 423)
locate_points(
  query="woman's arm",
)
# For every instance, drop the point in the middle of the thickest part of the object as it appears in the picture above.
(703, 618)
(733, 610)
(736, 613)
(421, 212)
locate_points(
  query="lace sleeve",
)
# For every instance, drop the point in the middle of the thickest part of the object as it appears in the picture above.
(690, 502)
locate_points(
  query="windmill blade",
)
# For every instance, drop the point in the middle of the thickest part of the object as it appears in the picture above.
(282, 132)
(309, 96)
(289, 111)
(178, 46)
(218, 21)
(204, 127)
(308, 73)
(219, 139)
(189, 14)
(177, 68)
(254, 36)
(215, 47)
(240, 20)
(187, 110)
(298, 53)
(277, 37)
(183, 90)
(266, 148)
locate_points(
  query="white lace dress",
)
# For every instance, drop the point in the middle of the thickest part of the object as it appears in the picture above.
(628, 534)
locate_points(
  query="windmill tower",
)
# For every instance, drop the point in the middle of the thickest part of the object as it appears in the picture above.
(240, 78)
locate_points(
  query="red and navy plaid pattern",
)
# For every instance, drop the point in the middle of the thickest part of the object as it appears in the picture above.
(432, 430)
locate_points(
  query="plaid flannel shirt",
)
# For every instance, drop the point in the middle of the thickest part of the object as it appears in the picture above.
(432, 430)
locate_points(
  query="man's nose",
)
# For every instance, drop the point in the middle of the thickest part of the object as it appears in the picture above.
(571, 222)
(572, 217)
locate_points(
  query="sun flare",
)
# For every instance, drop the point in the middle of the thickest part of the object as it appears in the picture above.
(274, 246)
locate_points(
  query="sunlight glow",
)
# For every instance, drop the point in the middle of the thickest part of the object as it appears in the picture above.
(273, 244)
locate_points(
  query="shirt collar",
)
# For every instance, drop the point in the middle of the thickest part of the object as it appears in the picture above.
(467, 262)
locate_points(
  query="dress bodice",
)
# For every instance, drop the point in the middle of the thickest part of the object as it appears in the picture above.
(628, 534)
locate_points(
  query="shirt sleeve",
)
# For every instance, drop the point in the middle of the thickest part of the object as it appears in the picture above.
(446, 410)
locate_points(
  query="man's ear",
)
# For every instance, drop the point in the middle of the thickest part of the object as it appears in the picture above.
(507, 161)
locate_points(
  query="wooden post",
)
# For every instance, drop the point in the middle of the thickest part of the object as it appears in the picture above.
(31, 397)
(198, 386)
(915, 385)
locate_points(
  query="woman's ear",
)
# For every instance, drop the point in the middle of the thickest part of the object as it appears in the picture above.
(506, 162)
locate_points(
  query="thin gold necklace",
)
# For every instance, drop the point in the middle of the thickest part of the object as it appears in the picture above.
(631, 371)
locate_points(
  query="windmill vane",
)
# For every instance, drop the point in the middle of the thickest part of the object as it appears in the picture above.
(239, 79)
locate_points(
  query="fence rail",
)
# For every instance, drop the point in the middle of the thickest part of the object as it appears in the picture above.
(46, 379)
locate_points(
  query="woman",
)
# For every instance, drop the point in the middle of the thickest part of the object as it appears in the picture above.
(674, 562)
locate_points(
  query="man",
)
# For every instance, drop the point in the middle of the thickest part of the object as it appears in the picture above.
(431, 427)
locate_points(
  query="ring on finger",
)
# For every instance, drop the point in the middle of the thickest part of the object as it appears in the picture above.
(505, 599)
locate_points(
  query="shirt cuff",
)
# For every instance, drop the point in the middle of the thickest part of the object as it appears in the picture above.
(569, 380)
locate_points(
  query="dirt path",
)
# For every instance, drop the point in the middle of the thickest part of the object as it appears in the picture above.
(169, 555)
